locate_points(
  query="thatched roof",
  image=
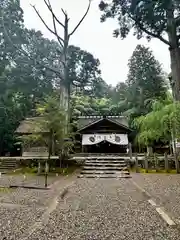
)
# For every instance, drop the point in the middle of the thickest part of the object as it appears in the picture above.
(84, 121)
(31, 125)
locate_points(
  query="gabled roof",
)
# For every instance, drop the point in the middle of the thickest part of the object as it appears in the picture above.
(86, 120)
(101, 120)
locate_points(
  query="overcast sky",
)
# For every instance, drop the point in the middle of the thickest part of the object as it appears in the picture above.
(95, 37)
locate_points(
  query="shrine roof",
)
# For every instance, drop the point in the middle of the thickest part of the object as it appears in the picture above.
(86, 122)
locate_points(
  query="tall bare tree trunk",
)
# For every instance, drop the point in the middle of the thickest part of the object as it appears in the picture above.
(175, 68)
(65, 104)
(174, 49)
(149, 151)
(64, 44)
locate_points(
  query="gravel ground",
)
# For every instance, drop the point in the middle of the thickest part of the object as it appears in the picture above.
(15, 220)
(21, 208)
(164, 188)
(105, 209)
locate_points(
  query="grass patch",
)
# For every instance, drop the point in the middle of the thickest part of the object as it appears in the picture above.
(142, 170)
(63, 171)
(5, 190)
(24, 170)
(53, 171)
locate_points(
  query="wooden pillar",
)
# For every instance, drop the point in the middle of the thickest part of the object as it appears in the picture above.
(176, 162)
(39, 168)
(146, 163)
(82, 148)
(176, 156)
(166, 164)
(156, 160)
(46, 167)
(149, 151)
(130, 151)
(136, 163)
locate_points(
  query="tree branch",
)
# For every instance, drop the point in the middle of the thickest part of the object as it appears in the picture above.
(81, 19)
(60, 40)
(46, 24)
(148, 32)
(65, 14)
(51, 10)
(177, 20)
(154, 35)
(43, 20)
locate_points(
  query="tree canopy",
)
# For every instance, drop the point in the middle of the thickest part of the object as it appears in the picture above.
(153, 19)
(161, 124)
(28, 64)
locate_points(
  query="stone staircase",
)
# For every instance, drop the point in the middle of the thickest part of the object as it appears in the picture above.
(112, 167)
(7, 164)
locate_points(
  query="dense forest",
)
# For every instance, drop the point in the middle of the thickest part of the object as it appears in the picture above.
(26, 78)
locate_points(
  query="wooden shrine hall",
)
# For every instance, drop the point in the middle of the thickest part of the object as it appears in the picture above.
(104, 134)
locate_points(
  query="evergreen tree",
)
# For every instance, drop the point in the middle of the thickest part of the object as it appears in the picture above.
(146, 80)
(11, 31)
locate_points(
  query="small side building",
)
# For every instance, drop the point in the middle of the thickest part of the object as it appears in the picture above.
(28, 127)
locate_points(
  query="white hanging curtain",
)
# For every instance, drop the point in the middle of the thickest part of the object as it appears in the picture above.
(91, 139)
(118, 139)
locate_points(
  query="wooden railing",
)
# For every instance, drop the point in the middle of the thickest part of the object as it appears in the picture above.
(156, 162)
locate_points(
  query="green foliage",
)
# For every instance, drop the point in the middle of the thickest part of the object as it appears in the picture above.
(149, 18)
(64, 171)
(83, 68)
(86, 105)
(145, 84)
(11, 26)
(51, 121)
(24, 170)
(161, 124)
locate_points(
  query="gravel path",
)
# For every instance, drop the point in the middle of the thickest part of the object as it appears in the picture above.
(105, 209)
(21, 208)
(164, 188)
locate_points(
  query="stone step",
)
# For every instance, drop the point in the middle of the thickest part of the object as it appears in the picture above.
(8, 162)
(104, 176)
(104, 172)
(105, 165)
(5, 170)
(104, 168)
(105, 159)
(105, 162)
(8, 165)
(101, 158)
